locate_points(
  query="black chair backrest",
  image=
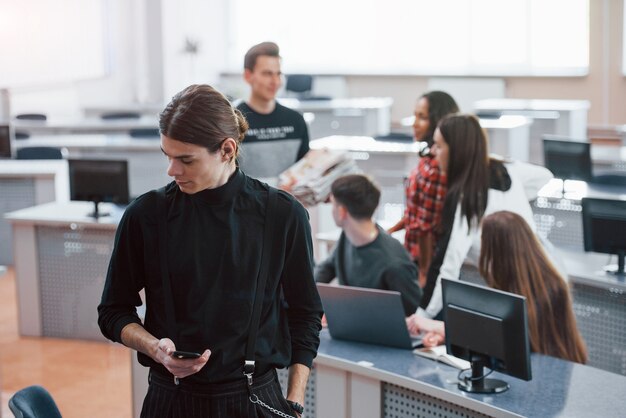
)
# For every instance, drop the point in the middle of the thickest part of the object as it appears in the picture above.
(145, 133)
(568, 159)
(120, 115)
(31, 116)
(21, 135)
(33, 402)
(395, 137)
(299, 83)
(39, 153)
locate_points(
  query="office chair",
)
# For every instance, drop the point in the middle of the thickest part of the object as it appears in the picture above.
(301, 85)
(31, 116)
(34, 402)
(21, 135)
(148, 133)
(39, 153)
(120, 115)
(395, 137)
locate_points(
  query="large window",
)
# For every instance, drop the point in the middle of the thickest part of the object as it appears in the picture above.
(442, 37)
(45, 42)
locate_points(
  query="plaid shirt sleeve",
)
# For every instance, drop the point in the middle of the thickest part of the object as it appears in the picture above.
(425, 193)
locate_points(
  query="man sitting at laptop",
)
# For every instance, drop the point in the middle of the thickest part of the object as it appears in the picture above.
(365, 255)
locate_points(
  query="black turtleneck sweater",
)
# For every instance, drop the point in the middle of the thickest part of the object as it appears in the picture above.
(214, 252)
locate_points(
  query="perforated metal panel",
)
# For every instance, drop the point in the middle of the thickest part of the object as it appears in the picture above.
(560, 221)
(72, 269)
(15, 194)
(309, 396)
(601, 318)
(399, 402)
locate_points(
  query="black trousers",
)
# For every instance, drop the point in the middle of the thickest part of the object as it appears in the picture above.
(229, 400)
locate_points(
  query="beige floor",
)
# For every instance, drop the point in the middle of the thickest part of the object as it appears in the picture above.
(86, 379)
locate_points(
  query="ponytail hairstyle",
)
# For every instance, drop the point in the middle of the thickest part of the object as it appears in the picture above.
(201, 115)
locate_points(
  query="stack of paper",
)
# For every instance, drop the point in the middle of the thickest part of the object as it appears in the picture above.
(439, 353)
(309, 179)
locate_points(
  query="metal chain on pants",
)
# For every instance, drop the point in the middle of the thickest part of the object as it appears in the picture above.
(255, 399)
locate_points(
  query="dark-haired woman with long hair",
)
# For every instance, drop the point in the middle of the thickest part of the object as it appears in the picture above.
(426, 185)
(477, 186)
(513, 260)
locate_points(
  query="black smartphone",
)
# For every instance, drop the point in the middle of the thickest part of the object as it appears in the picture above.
(185, 354)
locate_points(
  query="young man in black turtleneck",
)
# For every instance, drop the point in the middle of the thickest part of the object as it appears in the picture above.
(196, 247)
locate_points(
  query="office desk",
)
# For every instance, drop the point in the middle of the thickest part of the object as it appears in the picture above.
(59, 126)
(146, 109)
(387, 162)
(508, 135)
(599, 301)
(147, 166)
(24, 184)
(61, 260)
(368, 381)
(559, 117)
(608, 158)
(359, 116)
(559, 218)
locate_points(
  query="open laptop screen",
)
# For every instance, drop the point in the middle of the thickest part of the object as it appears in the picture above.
(366, 315)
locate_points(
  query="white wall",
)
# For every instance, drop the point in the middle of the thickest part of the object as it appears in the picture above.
(149, 65)
(134, 69)
(203, 22)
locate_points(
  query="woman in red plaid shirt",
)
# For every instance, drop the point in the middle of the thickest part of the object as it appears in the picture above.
(425, 187)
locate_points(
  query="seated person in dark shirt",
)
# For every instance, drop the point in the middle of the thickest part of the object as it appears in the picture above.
(365, 255)
(278, 136)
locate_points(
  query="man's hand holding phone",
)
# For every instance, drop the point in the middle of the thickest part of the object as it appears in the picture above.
(180, 363)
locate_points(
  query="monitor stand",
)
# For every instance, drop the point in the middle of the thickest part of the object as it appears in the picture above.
(477, 382)
(617, 270)
(96, 213)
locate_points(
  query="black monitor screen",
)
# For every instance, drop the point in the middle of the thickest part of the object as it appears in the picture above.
(99, 180)
(568, 159)
(5, 141)
(604, 227)
(489, 328)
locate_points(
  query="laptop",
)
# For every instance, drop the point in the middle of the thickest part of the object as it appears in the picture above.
(369, 316)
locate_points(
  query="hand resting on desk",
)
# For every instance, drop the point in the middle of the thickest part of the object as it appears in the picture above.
(433, 330)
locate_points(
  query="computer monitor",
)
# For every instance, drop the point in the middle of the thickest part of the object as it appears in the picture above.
(604, 230)
(568, 159)
(489, 328)
(5, 141)
(99, 181)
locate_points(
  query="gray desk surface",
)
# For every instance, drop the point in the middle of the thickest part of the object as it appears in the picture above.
(74, 214)
(504, 122)
(320, 105)
(364, 144)
(531, 104)
(112, 141)
(30, 168)
(558, 388)
(586, 268)
(84, 125)
(576, 190)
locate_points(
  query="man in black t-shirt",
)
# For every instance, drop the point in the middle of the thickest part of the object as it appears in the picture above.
(281, 133)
